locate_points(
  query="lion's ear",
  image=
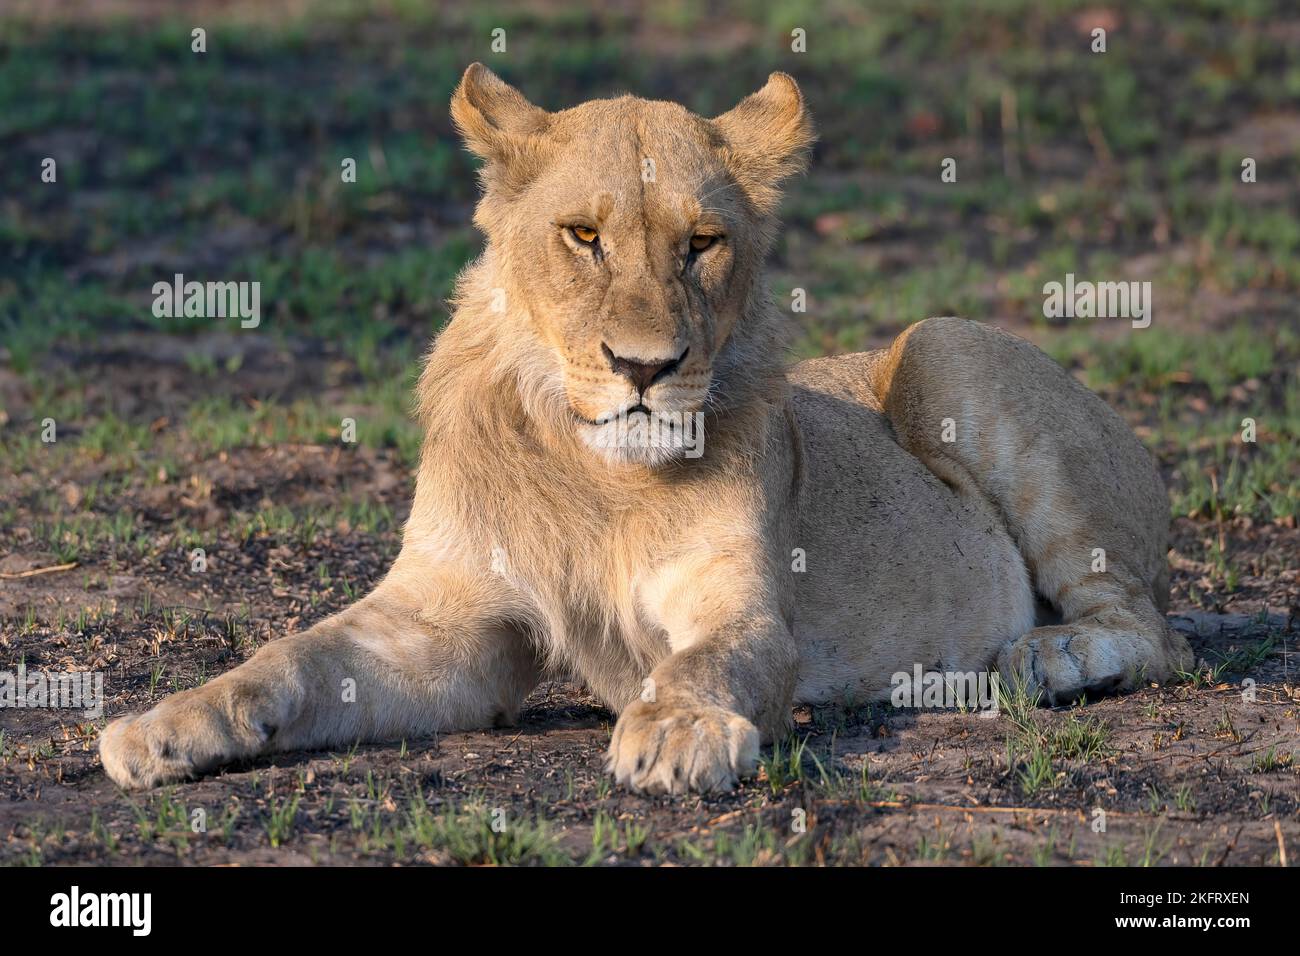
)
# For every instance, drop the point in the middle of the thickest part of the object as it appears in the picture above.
(498, 123)
(768, 136)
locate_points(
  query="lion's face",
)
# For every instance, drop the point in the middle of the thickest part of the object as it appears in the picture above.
(631, 233)
(634, 283)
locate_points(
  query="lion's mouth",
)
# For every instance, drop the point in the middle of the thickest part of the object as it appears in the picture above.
(639, 407)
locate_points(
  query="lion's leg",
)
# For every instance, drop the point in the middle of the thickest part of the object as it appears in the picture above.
(728, 683)
(411, 658)
(706, 708)
(992, 415)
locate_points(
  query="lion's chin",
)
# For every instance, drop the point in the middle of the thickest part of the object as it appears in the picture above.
(650, 441)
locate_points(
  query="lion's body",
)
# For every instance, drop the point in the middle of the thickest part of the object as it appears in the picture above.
(848, 519)
(931, 575)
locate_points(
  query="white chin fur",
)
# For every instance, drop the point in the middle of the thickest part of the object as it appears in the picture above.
(645, 440)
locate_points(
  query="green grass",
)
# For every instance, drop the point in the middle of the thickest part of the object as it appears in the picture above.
(1156, 358)
(1236, 663)
(1270, 761)
(754, 844)
(473, 836)
(786, 763)
(281, 819)
(609, 838)
(120, 533)
(1261, 481)
(1038, 743)
(165, 820)
(381, 412)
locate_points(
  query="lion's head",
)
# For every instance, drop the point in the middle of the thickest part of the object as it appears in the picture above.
(632, 234)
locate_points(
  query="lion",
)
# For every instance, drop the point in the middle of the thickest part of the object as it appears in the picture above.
(623, 481)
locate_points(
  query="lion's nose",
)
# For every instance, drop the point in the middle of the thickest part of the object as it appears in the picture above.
(641, 373)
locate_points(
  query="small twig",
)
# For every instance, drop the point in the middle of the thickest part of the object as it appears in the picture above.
(1214, 753)
(1281, 843)
(1097, 139)
(725, 818)
(895, 804)
(1232, 844)
(1010, 132)
(13, 575)
(510, 744)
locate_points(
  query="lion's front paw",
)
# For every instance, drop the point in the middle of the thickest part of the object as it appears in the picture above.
(672, 748)
(187, 734)
(138, 754)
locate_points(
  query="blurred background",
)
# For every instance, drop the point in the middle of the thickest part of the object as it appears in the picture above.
(175, 433)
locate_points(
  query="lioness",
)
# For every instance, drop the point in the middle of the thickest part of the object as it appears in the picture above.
(847, 518)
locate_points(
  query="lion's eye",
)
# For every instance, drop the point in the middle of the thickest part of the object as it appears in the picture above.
(584, 235)
(700, 243)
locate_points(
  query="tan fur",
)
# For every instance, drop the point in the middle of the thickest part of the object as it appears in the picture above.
(540, 542)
